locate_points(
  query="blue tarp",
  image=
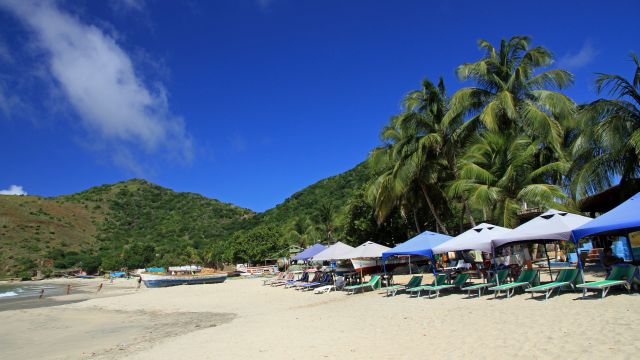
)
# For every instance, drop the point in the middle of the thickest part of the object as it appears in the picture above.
(309, 252)
(419, 245)
(117, 274)
(155, 269)
(620, 220)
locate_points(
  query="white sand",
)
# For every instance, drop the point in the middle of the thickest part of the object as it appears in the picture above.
(241, 319)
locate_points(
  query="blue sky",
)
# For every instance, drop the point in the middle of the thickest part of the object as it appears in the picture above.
(249, 101)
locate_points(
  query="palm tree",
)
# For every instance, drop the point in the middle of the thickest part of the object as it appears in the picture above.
(419, 154)
(499, 173)
(608, 146)
(512, 95)
(324, 219)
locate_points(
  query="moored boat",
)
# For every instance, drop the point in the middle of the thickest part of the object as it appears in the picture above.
(372, 265)
(154, 280)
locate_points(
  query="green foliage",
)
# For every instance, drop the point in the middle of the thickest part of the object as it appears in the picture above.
(360, 224)
(253, 246)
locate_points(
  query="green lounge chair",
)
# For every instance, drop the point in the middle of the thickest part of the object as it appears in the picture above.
(620, 276)
(498, 278)
(413, 282)
(371, 283)
(566, 277)
(526, 279)
(439, 280)
(457, 283)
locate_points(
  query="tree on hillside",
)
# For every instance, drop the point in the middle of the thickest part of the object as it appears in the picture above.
(324, 218)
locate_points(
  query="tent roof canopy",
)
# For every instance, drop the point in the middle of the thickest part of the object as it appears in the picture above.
(367, 250)
(418, 245)
(553, 225)
(337, 251)
(309, 252)
(476, 238)
(622, 219)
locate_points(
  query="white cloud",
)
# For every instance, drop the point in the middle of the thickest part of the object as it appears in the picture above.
(99, 80)
(13, 190)
(583, 57)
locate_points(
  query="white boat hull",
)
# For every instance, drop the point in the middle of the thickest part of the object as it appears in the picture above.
(162, 280)
(368, 266)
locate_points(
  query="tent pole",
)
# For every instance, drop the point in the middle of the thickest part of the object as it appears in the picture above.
(433, 264)
(575, 244)
(495, 264)
(633, 259)
(410, 265)
(546, 253)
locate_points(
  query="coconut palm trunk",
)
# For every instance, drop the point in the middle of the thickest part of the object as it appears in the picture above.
(439, 223)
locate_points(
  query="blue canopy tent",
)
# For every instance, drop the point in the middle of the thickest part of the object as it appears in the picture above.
(621, 220)
(309, 252)
(419, 245)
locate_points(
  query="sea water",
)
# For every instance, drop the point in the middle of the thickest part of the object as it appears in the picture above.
(27, 290)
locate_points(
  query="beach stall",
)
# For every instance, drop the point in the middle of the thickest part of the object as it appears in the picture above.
(621, 220)
(553, 225)
(309, 252)
(419, 245)
(477, 238)
(337, 251)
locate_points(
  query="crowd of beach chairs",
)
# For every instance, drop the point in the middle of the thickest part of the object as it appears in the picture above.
(501, 283)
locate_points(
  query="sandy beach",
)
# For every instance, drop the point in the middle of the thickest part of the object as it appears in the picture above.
(242, 319)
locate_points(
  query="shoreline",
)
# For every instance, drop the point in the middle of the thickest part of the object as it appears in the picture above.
(243, 319)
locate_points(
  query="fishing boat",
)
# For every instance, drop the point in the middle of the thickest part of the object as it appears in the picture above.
(154, 280)
(374, 265)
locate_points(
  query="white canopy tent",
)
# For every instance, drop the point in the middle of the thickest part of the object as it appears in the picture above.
(337, 251)
(476, 238)
(367, 250)
(553, 225)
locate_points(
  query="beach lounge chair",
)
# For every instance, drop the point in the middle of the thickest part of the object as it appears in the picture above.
(439, 280)
(278, 277)
(457, 283)
(415, 281)
(498, 278)
(303, 280)
(527, 278)
(369, 284)
(566, 277)
(337, 285)
(460, 265)
(290, 276)
(619, 276)
(323, 279)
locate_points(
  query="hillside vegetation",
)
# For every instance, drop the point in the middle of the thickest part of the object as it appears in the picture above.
(130, 223)
(136, 223)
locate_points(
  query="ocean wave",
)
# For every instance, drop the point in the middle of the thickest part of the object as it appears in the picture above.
(8, 294)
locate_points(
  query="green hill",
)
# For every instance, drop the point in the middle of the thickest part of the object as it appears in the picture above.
(123, 222)
(304, 205)
(136, 223)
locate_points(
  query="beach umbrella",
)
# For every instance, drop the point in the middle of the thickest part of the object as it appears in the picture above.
(337, 251)
(367, 250)
(553, 225)
(621, 220)
(418, 245)
(309, 252)
(476, 238)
